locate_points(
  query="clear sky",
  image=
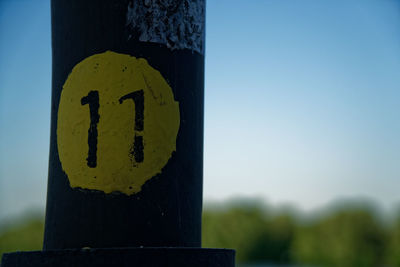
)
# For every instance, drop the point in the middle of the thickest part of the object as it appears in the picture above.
(302, 101)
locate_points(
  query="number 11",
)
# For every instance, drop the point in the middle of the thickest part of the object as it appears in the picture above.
(93, 100)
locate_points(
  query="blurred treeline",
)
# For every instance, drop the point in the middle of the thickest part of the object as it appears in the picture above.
(22, 234)
(351, 234)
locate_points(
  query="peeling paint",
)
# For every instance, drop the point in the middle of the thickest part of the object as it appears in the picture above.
(178, 24)
(129, 110)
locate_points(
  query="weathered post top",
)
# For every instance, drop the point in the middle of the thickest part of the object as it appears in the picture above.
(126, 145)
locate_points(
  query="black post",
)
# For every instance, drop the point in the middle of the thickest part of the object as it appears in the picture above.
(166, 210)
(126, 148)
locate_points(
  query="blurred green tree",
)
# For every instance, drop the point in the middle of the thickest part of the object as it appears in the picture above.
(346, 238)
(393, 247)
(23, 235)
(256, 236)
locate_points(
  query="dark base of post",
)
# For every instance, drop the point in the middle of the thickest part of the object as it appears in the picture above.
(138, 257)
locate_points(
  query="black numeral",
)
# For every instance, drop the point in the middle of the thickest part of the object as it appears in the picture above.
(138, 99)
(93, 100)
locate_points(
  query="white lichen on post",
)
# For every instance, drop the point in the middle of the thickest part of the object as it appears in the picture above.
(178, 24)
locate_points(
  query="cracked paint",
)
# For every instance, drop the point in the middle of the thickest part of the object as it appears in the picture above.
(178, 24)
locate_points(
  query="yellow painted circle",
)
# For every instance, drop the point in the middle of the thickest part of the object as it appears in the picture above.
(117, 123)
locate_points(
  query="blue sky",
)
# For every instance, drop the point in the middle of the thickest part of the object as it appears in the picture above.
(302, 101)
